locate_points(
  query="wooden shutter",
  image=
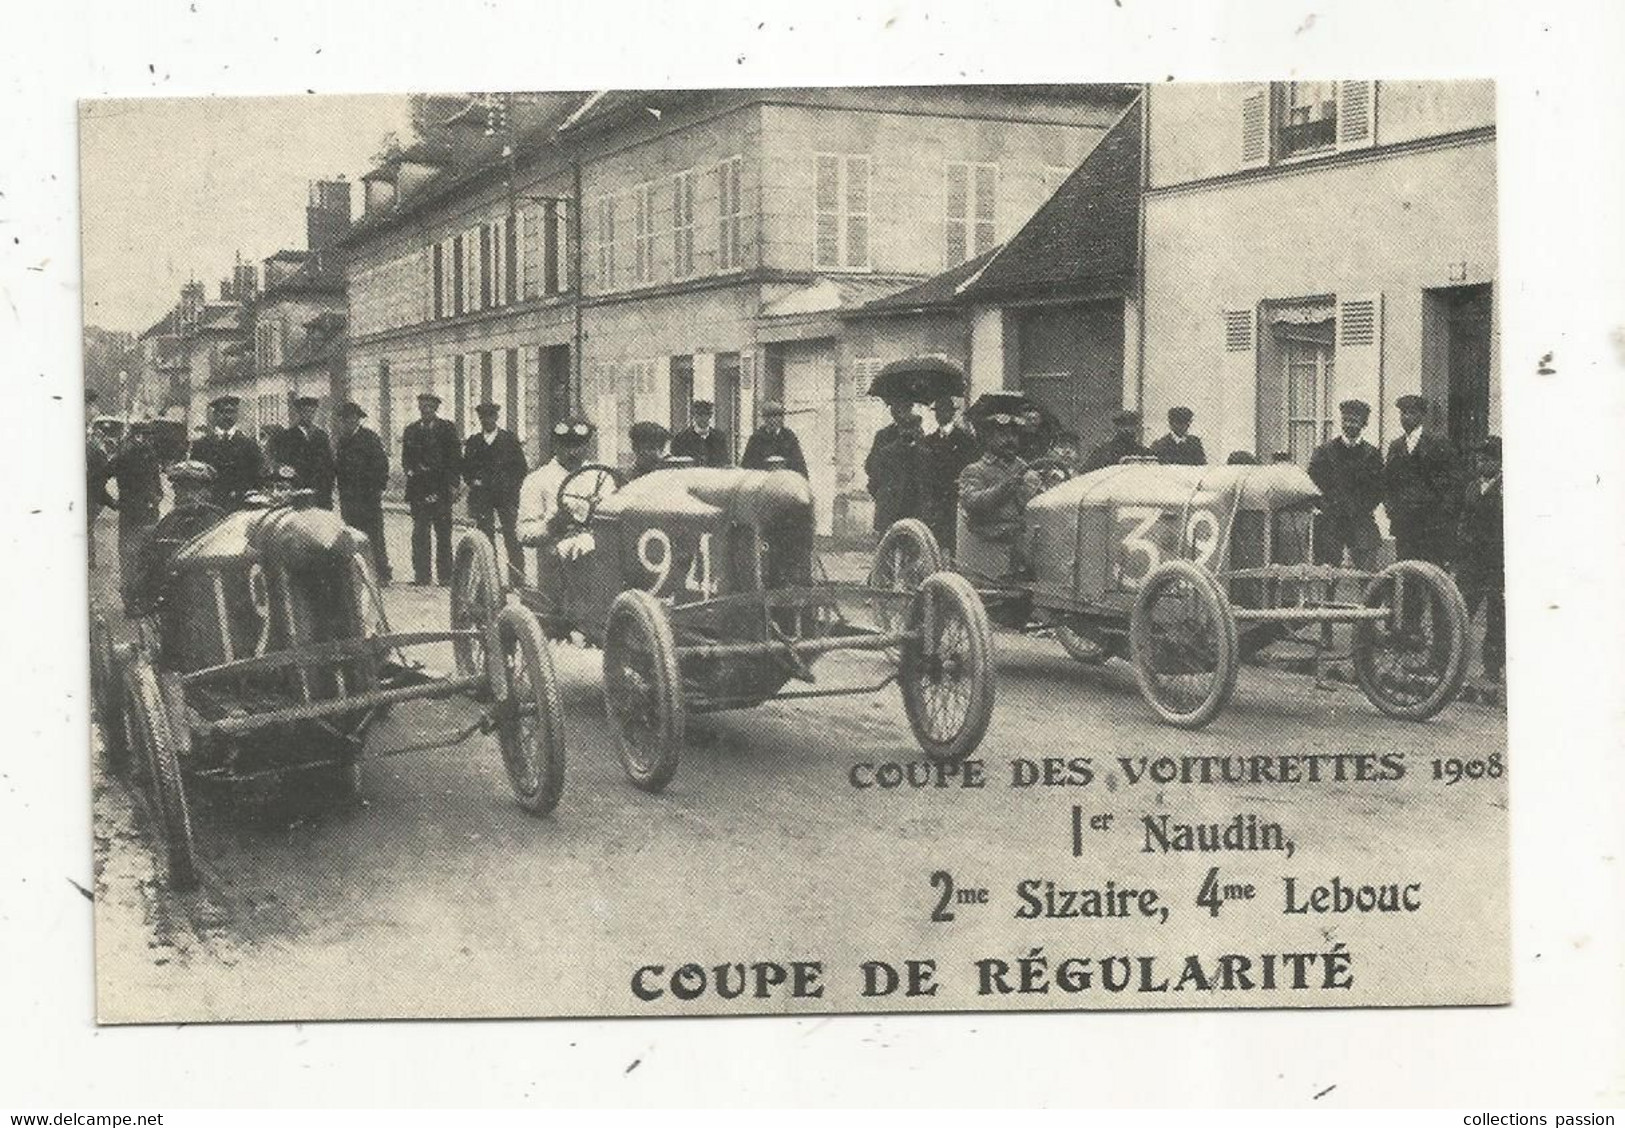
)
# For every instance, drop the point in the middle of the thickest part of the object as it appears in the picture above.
(1255, 126)
(857, 211)
(827, 210)
(1358, 358)
(1238, 381)
(1356, 115)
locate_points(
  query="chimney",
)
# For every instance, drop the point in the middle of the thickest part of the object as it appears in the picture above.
(245, 281)
(327, 215)
(191, 305)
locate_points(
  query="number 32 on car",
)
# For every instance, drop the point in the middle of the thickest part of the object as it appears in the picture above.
(657, 557)
(1145, 537)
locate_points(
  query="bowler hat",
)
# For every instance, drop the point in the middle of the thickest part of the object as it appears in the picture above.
(354, 409)
(1178, 415)
(1411, 403)
(648, 433)
(487, 408)
(1357, 408)
(702, 405)
(430, 396)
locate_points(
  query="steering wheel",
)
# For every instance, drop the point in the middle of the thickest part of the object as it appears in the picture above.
(1052, 471)
(584, 489)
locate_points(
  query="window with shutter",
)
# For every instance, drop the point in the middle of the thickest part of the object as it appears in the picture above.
(485, 267)
(1359, 349)
(605, 238)
(1237, 425)
(643, 235)
(563, 257)
(1255, 127)
(550, 248)
(857, 211)
(1356, 114)
(457, 285)
(437, 268)
(730, 216)
(841, 209)
(682, 224)
(970, 208)
(828, 208)
(510, 256)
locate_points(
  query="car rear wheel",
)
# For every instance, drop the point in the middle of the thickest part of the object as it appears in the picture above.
(476, 596)
(155, 743)
(1412, 663)
(531, 725)
(643, 689)
(946, 671)
(1182, 636)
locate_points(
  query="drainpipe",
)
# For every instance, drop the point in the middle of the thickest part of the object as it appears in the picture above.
(1139, 266)
(578, 281)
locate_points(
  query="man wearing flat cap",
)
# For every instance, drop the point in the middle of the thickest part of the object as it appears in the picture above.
(305, 448)
(1124, 443)
(705, 444)
(361, 469)
(1348, 472)
(649, 441)
(1481, 555)
(236, 458)
(774, 438)
(1179, 447)
(430, 459)
(1420, 487)
(135, 470)
(494, 467)
(192, 484)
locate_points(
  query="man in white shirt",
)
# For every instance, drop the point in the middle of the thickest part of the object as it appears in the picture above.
(541, 522)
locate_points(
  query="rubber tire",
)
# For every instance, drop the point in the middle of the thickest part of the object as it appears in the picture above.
(476, 596)
(644, 617)
(520, 640)
(149, 724)
(1456, 621)
(909, 529)
(106, 696)
(1229, 659)
(1079, 649)
(956, 591)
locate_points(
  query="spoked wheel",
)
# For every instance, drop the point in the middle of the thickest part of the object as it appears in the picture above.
(1082, 642)
(907, 553)
(946, 672)
(530, 722)
(1412, 663)
(1182, 635)
(153, 741)
(476, 596)
(643, 688)
(107, 696)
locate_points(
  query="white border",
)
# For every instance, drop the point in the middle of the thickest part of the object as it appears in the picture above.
(1561, 256)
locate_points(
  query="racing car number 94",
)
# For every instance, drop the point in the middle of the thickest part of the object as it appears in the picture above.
(657, 558)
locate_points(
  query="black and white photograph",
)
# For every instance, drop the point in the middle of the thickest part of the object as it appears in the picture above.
(796, 550)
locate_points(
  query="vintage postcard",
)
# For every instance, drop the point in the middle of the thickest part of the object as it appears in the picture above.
(796, 551)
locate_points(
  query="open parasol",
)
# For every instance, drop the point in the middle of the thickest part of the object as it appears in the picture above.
(919, 379)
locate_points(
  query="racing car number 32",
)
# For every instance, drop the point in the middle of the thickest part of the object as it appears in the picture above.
(657, 558)
(1144, 533)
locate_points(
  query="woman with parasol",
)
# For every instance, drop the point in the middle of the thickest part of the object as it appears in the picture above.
(896, 465)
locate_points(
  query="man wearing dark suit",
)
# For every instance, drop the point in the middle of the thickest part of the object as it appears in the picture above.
(1420, 490)
(946, 452)
(771, 439)
(1480, 556)
(1348, 471)
(238, 464)
(430, 457)
(1179, 447)
(306, 449)
(705, 444)
(135, 470)
(1125, 443)
(361, 470)
(893, 466)
(494, 468)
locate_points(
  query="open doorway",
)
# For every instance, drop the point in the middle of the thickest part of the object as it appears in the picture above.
(1456, 360)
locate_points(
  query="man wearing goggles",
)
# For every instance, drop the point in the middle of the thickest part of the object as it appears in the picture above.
(541, 522)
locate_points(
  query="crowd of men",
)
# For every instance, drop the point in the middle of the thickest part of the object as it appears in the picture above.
(1436, 512)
